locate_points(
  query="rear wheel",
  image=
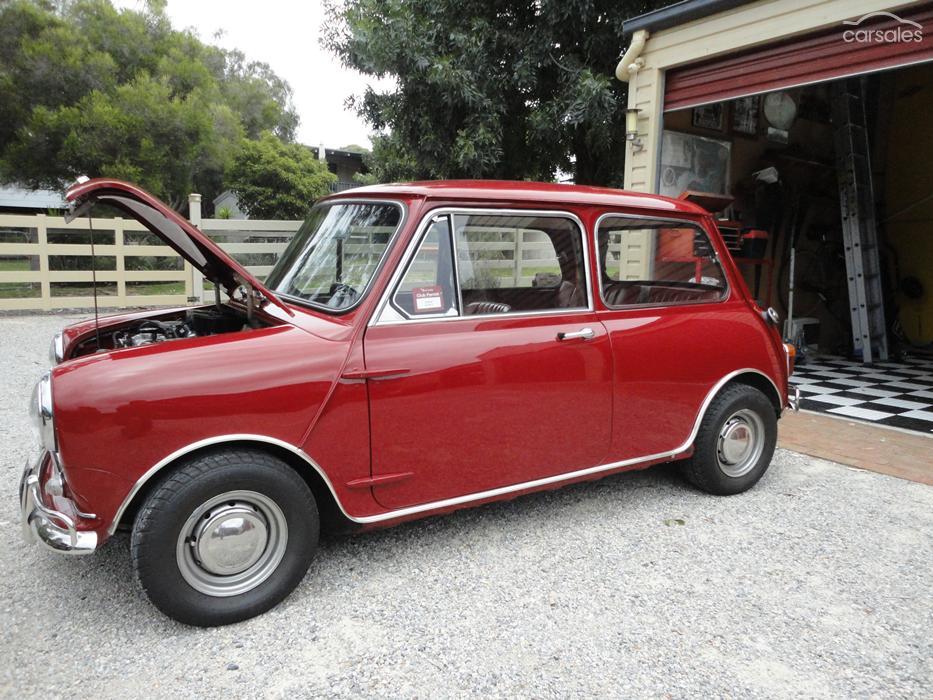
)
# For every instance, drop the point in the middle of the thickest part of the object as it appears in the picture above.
(225, 537)
(735, 442)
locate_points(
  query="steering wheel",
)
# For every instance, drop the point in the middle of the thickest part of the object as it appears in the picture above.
(342, 296)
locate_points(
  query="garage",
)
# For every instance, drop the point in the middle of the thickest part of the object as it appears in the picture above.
(801, 126)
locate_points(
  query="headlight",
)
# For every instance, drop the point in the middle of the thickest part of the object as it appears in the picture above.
(57, 349)
(40, 410)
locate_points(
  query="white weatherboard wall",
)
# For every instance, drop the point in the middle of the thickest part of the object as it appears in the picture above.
(744, 27)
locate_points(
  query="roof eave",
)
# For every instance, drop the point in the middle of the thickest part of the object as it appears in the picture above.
(677, 14)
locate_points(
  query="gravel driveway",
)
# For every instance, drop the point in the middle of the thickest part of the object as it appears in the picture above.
(819, 582)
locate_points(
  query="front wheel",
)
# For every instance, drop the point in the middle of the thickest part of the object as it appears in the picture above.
(735, 442)
(225, 537)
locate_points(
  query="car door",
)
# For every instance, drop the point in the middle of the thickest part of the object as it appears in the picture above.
(487, 366)
(675, 329)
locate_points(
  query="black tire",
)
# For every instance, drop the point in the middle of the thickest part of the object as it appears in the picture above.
(707, 468)
(159, 557)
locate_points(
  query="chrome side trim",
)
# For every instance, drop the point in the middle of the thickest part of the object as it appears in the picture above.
(426, 221)
(567, 476)
(449, 502)
(217, 440)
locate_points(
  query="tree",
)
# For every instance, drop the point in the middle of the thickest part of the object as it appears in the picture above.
(391, 160)
(355, 148)
(88, 90)
(502, 89)
(277, 180)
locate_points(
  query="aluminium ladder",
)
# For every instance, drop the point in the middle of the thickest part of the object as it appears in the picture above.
(859, 228)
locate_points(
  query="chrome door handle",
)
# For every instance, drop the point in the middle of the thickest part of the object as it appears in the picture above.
(585, 333)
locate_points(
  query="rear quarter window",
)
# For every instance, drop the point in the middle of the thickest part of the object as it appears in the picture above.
(652, 262)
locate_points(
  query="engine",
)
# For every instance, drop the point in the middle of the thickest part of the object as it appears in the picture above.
(151, 331)
(196, 322)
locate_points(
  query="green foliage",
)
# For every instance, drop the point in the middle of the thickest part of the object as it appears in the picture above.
(503, 89)
(364, 179)
(277, 180)
(392, 160)
(355, 148)
(87, 89)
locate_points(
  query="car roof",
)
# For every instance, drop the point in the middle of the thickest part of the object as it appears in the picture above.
(522, 191)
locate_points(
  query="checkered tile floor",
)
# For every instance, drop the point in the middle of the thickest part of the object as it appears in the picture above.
(898, 394)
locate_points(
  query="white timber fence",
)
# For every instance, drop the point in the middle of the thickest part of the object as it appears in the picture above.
(48, 264)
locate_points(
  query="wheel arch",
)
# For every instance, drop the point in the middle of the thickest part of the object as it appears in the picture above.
(747, 376)
(759, 381)
(332, 514)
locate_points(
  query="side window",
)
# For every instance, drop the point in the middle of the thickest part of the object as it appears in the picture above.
(427, 288)
(651, 262)
(511, 263)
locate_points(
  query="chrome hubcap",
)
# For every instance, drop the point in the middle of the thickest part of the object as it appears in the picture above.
(741, 442)
(231, 543)
(230, 540)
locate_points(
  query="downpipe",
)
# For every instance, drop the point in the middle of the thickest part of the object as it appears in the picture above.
(630, 62)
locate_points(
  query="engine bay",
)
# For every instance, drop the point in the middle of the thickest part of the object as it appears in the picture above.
(195, 323)
(175, 325)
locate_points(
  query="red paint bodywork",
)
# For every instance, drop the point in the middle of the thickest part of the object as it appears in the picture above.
(469, 405)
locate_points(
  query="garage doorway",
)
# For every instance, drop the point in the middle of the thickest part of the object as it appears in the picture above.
(828, 179)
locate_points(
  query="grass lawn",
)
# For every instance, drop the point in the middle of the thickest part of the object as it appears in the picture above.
(17, 290)
(109, 289)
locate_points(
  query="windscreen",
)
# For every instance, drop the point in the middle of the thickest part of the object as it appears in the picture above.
(333, 258)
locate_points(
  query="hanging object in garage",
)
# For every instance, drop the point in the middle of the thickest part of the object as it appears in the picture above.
(859, 232)
(780, 111)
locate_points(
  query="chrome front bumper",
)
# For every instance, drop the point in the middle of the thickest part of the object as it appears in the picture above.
(51, 528)
(793, 398)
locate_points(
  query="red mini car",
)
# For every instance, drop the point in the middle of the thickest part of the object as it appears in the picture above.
(417, 349)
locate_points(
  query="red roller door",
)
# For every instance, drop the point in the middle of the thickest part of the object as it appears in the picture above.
(812, 58)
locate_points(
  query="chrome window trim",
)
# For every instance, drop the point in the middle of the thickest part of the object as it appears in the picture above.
(496, 316)
(452, 218)
(727, 291)
(423, 236)
(393, 239)
(448, 502)
(427, 218)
